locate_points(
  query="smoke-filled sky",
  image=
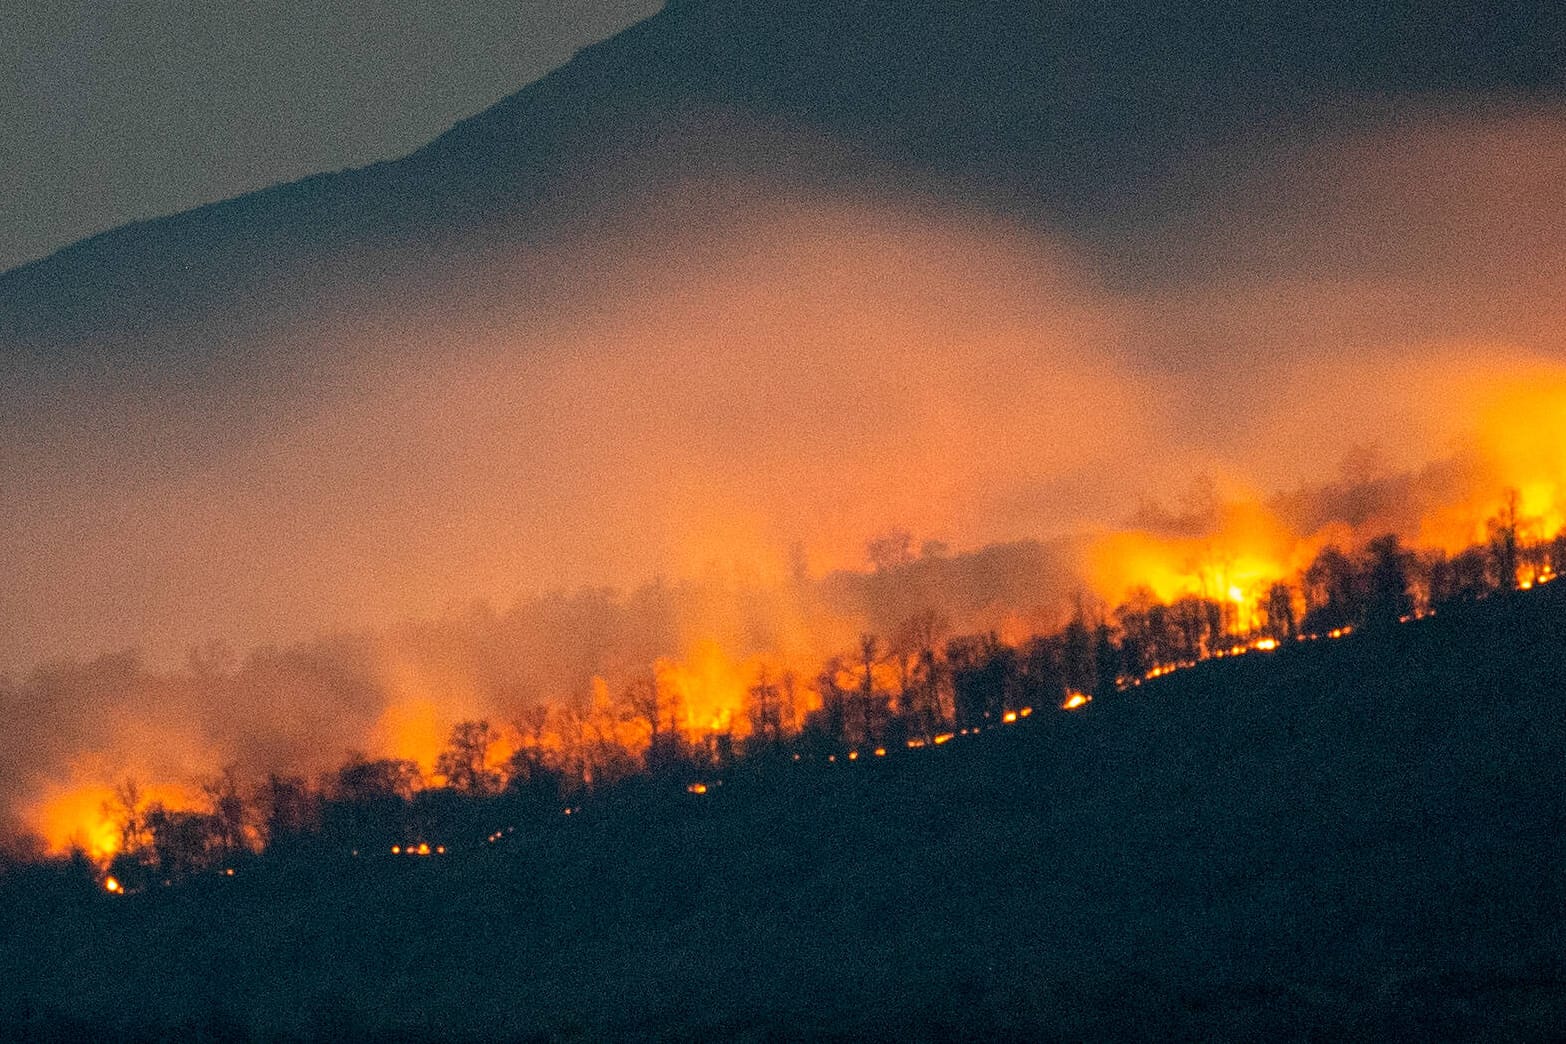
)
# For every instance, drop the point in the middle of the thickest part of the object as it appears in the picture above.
(120, 112)
(713, 382)
(813, 371)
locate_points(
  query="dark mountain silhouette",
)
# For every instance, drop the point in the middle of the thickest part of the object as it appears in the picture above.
(1073, 112)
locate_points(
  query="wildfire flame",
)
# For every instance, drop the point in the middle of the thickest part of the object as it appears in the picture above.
(1505, 425)
(89, 817)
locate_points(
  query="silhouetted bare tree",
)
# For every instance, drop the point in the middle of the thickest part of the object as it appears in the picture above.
(867, 710)
(1465, 577)
(1138, 648)
(1332, 591)
(183, 841)
(1387, 567)
(126, 809)
(1503, 542)
(361, 779)
(913, 649)
(764, 706)
(228, 810)
(290, 809)
(1106, 661)
(465, 762)
(1079, 668)
(983, 672)
(1278, 609)
(827, 726)
(653, 703)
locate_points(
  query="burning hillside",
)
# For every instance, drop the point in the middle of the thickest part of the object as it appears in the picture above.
(1216, 583)
(734, 383)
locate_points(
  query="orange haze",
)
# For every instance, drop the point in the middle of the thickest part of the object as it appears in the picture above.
(1358, 334)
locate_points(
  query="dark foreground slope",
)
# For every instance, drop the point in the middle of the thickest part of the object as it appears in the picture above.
(1356, 838)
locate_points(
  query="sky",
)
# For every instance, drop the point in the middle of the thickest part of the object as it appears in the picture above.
(119, 112)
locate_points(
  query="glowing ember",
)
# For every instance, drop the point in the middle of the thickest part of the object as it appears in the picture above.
(111, 884)
(1009, 717)
(697, 788)
(1075, 700)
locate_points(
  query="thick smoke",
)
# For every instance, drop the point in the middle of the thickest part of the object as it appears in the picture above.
(1361, 331)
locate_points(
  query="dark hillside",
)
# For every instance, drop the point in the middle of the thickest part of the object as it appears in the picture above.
(1063, 112)
(1355, 838)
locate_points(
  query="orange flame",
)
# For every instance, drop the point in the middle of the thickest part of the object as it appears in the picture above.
(85, 816)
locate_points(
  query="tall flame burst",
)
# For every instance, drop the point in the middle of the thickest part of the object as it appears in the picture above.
(1510, 435)
(711, 687)
(1522, 435)
(1238, 556)
(90, 816)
